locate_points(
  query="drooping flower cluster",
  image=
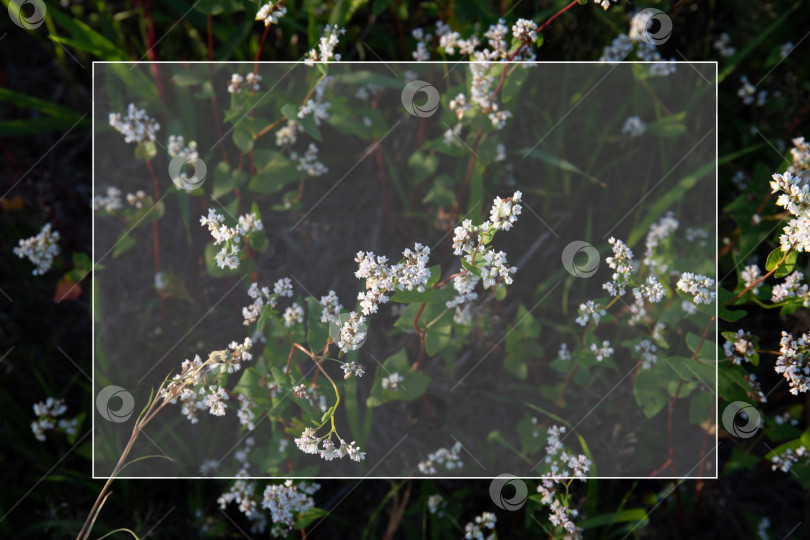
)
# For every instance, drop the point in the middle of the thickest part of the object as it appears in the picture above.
(421, 54)
(331, 308)
(448, 457)
(701, 287)
(382, 279)
(788, 458)
(793, 363)
(622, 263)
(39, 249)
(239, 83)
(308, 161)
(286, 501)
(352, 333)
(262, 296)
(47, 413)
(795, 198)
(634, 127)
(189, 154)
(741, 349)
(326, 46)
(271, 12)
(136, 126)
(801, 156)
(657, 235)
(474, 530)
(310, 443)
(561, 465)
(229, 237)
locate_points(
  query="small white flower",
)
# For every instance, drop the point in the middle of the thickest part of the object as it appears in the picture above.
(271, 12)
(136, 126)
(39, 249)
(634, 127)
(701, 287)
(603, 352)
(293, 314)
(392, 382)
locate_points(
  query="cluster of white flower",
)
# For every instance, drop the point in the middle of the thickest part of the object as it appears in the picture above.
(308, 162)
(604, 3)
(109, 202)
(411, 273)
(792, 287)
(795, 198)
(495, 269)
(449, 40)
(262, 296)
(634, 127)
(352, 333)
(647, 349)
(499, 118)
(652, 290)
(701, 287)
(525, 30)
(504, 212)
(326, 46)
(47, 412)
(287, 134)
(697, 234)
(801, 156)
(39, 249)
(448, 457)
(309, 443)
(230, 237)
(622, 263)
(564, 353)
(311, 394)
(316, 106)
(293, 315)
(245, 413)
(271, 12)
(331, 308)
(215, 400)
(793, 363)
(421, 54)
(435, 503)
(232, 361)
(177, 147)
(136, 126)
(562, 464)
(590, 311)
(723, 45)
(748, 93)
(392, 382)
(238, 83)
(287, 501)
(603, 352)
(741, 349)
(352, 368)
(755, 389)
(658, 233)
(788, 458)
(137, 199)
(474, 530)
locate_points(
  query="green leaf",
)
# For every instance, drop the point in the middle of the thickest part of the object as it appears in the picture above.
(305, 518)
(125, 243)
(317, 331)
(786, 267)
(243, 138)
(422, 165)
(701, 408)
(649, 394)
(638, 515)
(275, 175)
(560, 163)
(439, 334)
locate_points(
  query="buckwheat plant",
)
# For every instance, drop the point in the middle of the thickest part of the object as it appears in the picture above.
(48, 413)
(39, 249)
